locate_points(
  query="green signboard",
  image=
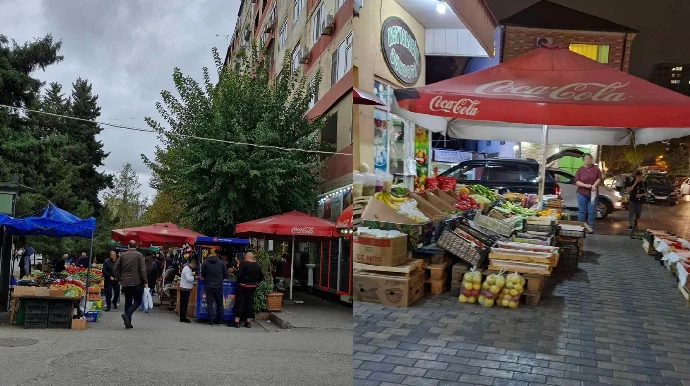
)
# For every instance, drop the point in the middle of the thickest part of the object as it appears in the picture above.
(6, 203)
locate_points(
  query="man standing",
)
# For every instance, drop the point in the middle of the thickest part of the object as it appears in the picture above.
(637, 194)
(214, 271)
(587, 178)
(25, 267)
(112, 287)
(186, 286)
(130, 269)
(83, 261)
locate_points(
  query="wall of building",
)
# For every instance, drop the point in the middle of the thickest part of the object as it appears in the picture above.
(369, 64)
(478, 64)
(520, 40)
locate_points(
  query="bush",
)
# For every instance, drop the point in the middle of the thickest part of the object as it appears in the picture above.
(265, 260)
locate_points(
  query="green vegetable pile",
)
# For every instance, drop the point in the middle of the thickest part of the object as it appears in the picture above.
(484, 192)
(507, 205)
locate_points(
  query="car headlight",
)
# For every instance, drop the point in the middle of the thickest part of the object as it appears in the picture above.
(650, 191)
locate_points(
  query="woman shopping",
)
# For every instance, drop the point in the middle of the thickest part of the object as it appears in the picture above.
(248, 276)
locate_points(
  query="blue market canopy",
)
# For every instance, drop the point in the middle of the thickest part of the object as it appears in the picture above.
(53, 222)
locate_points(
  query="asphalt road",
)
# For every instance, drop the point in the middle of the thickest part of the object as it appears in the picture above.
(656, 216)
(162, 351)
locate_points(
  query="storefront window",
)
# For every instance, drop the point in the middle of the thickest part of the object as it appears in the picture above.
(380, 140)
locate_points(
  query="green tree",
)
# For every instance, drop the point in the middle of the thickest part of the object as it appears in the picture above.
(124, 202)
(222, 184)
(164, 208)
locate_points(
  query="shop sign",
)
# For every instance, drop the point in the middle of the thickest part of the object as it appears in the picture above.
(451, 156)
(400, 50)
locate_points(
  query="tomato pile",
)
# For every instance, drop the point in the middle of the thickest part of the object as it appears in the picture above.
(465, 202)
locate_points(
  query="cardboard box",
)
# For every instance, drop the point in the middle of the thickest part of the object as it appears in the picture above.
(436, 201)
(435, 214)
(445, 196)
(388, 252)
(94, 305)
(378, 215)
(21, 290)
(78, 324)
(56, 293)
(395, 291)
(92, 316)
(583, 224)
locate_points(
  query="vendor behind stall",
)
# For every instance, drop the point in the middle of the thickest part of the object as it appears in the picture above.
(248, 277)
(186, 286)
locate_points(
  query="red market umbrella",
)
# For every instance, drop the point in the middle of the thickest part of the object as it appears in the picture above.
(155, 234)
(361, 97)
(292, 224)
(578, 98)
(345, 218)
(548, 95)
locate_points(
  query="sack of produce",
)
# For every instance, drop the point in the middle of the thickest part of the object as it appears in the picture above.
(471, 283)
(510, 294)
(491, 288)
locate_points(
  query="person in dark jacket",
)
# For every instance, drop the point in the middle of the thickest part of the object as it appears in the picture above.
(60, 264)
(154, 272)
(130, 269)
(214, 271)
(249, 276)
(112, 287)
(83, 261)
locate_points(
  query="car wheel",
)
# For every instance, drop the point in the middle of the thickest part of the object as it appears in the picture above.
(603, 210)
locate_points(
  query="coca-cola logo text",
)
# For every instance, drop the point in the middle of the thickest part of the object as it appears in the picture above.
(597, 92)
(459, 107)
(342, 224)
(302, 230)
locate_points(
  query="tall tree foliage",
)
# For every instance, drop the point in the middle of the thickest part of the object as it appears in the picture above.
(123, 202)
(38, 149)
(222, 184)
(164, 208)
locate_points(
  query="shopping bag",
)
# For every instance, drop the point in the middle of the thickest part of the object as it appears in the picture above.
(146, 301)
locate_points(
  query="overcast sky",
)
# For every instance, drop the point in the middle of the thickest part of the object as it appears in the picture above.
(128, 50)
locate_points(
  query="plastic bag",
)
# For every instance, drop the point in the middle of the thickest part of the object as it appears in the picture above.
(511, 292)
(471, 284)
(146, 301)
(491, 288)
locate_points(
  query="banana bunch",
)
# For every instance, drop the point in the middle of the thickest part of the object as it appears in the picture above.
(389, 199)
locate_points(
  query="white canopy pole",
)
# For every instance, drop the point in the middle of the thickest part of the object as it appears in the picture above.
(542, 164)
(292, 266)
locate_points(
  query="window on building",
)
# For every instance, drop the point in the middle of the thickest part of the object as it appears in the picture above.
(294, 63)
(675, 75)
(297, 10)
(600, 53)
(679, 68)
(341, 59)
(319, 15)
(282, 37)
(329, 134)
(313, 85)
(675, 81)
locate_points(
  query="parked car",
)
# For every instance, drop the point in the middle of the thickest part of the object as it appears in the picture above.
(522, 176)
(685, 187)
(660, 188)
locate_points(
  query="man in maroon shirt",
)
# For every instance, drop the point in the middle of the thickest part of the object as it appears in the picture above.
(587, 178)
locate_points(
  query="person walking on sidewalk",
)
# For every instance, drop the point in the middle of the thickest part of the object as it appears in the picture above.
(637, 193)
(186, 285)
(112, 287)
(214, 271)
(587, 178)
(248, 277)
(130, 268)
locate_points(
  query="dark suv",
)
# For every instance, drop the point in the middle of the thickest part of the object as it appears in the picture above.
(660, 188)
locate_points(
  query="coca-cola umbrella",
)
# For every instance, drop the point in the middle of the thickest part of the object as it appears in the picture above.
(155, 234)
(345, 218)
(548, 95)
(293, 225)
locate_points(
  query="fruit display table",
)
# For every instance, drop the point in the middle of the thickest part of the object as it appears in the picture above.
(15, 299)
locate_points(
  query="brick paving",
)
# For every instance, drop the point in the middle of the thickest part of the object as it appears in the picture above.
(620, 320)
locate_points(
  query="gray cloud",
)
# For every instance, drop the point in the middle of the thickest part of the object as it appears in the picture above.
(128, 50)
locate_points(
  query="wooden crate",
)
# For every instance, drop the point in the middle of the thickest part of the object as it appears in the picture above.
(434, 287)
(520, 267)
(686, 294)
(436, 271)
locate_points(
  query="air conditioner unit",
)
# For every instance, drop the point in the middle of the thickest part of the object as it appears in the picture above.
(327, 25)
(356, 7)
(543, 40)
(304, 55)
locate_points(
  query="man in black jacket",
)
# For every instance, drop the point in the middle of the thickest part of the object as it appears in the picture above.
(110, 282)
(213, 272)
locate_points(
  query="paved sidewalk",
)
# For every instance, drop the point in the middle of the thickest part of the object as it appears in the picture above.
(620, 321)
(313, 313)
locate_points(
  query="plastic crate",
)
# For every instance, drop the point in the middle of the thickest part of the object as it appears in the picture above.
(572, 233)
(66, 323)
(36, 307)
(59, 315)
(541, 228)
(35, 321)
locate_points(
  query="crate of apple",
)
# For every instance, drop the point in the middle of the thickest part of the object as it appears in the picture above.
(510, 294)
(490, 289)
(471, 284)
